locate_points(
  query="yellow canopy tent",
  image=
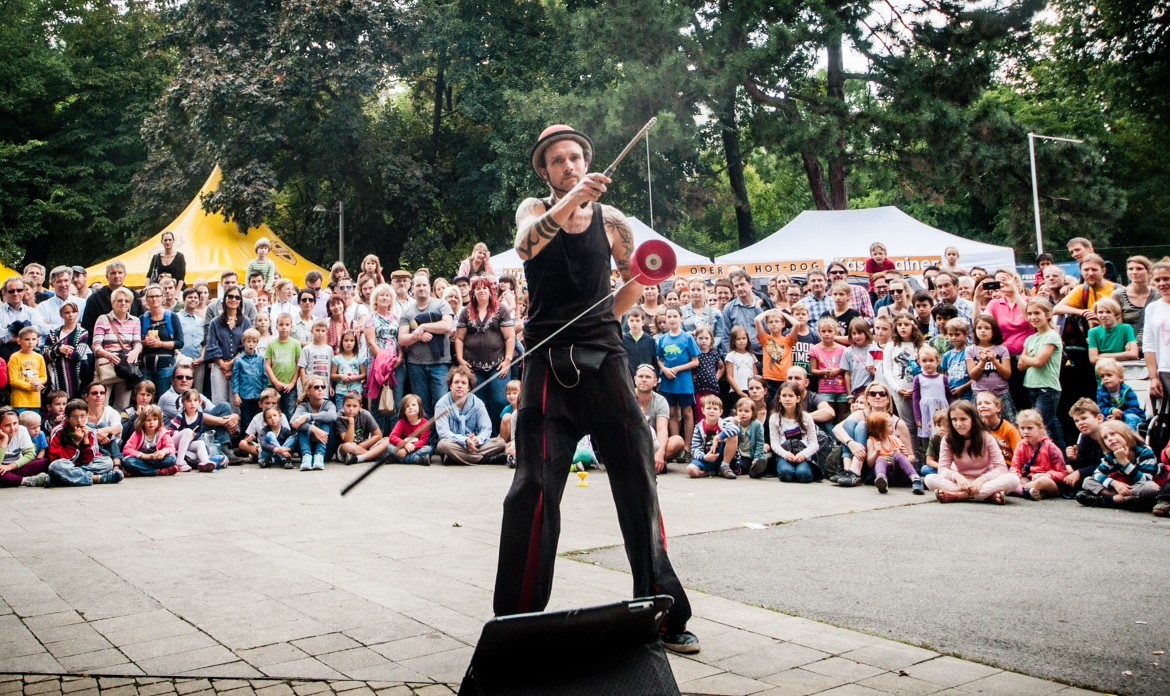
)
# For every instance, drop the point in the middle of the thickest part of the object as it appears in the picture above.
(210, 244)
(6, 272)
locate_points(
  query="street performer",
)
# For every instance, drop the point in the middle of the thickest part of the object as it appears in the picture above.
(579, 384)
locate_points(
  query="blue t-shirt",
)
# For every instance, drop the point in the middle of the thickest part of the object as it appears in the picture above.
(674, 351)
(954, 366)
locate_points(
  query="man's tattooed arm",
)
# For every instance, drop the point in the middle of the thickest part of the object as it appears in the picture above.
(535, 228)
(621, 243)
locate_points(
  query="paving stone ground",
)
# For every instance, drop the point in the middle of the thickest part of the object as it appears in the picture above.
(257, 581)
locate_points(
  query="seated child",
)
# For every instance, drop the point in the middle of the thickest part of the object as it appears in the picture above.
(150, 451)
(1116, 399)
(884, 448)
(1037, 460)
(410, 440)
(276, 439)
(31, 420)
(250, 444)
(1125, 476)
(1087, 453)
(709, 443)
(507, 427)
(939, 422)
(750, 459)
(361, 438)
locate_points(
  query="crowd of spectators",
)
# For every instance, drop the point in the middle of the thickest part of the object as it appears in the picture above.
(970, 383)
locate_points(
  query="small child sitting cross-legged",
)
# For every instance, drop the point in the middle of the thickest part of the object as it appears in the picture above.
(1037, 460)
(1125, 476)
(884, 448)
(714, 443)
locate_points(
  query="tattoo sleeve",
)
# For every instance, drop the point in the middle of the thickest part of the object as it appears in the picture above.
(530, 240)
(623, 241)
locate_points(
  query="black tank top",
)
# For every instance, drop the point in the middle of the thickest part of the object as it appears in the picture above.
(566, 277)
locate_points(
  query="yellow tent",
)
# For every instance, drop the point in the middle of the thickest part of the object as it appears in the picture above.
(6, 272)
(210, 245)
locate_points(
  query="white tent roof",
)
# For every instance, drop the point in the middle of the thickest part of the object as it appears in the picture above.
(825, 235)
(510, 260)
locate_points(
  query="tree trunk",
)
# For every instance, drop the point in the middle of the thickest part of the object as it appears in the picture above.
(836, 89)
(729, 129)
(437, 116)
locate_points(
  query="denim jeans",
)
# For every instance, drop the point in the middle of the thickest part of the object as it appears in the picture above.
(789, 472)
(429, 383)
(422, 455)
(138, 467)
(65, 473)
(311, 445)
(159, 370)
(270, 438)
(1046, 400)
(493, 396)
(858, 431)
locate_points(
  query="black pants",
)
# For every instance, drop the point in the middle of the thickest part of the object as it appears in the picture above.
(551, 419)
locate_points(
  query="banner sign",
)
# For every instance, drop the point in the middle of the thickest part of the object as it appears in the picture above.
(767, 268)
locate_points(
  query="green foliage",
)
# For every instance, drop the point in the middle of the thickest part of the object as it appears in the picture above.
(76, 81)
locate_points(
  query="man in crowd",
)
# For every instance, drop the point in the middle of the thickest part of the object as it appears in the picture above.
(423, 333)
(946, 289)
(817, 300)
(81, 289)
(1080, 247)
(34, 278)
(859, 298)
(100, 302)
(194, 333)
(49, 309)
(400, 281)
(14, 316)
(743, 310)
(315, 282)
(219, 417)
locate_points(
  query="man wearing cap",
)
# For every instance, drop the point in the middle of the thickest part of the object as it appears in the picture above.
(576, 382)
(81, 283)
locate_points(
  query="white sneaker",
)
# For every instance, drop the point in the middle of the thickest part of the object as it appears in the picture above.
(319, 462)
(306, 462)
(37, 481)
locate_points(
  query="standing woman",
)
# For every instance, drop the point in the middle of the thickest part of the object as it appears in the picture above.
(338, 324)
(1134, 297)
(168, 262)
(485, 343)
(162, 338)
(303, 317)
(117, 338)
(970, 463)
(204, 292)
(1156, 336)
(67, 351)
(1010, 312)
(899, 300)
(225, 339)
(381, 334)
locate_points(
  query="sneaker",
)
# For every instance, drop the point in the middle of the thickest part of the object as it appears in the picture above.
(834, 478)
(206, 467)
(114, 476)
(265, 463)
(918, 486)
(511, 461)
(220, 461)
(848, 479)
(42, 479)
(1162, 508)
(437, 459)
(319, 462)
(757, 468)
(288, 464)
(726, 472)
(183, 467)
(685, 643)
(169, 471)
(882, 484)
(1089, 499)
(306, 462)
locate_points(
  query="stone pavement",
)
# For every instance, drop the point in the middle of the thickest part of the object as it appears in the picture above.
(250, 575)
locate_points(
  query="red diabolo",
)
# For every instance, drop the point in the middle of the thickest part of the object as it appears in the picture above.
(653, 262)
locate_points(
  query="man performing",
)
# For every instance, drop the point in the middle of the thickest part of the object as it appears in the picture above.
(578, 384)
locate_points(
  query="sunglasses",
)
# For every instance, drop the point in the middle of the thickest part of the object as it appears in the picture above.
(879, 393)
(899, 291)
(184, 377)
(97, 393)
(837, 272)
(317, 386)
(306, 299)
(237, 298)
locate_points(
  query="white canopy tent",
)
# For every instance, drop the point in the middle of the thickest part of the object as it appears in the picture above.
(510, 261)
(817, 237)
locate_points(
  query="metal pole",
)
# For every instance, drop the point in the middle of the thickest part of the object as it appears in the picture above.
(341, 228)
(1035, 192)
